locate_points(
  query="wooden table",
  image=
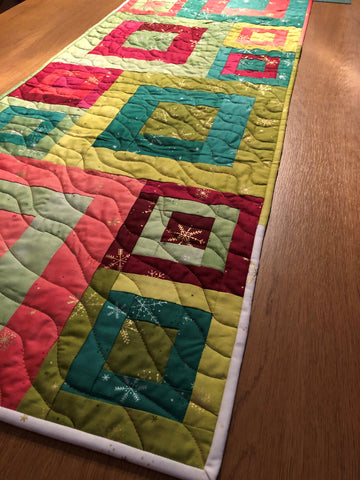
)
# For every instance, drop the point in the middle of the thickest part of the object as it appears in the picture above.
(297, 409)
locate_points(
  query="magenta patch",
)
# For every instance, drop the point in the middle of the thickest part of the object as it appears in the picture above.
(178, 52)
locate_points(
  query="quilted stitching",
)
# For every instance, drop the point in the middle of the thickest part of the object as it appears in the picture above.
(133, 173)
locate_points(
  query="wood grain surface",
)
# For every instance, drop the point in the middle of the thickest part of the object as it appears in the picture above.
(297, 408)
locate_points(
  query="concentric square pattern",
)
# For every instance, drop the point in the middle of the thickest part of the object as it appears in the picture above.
(128, 131)
(184, 329)
(171, 234)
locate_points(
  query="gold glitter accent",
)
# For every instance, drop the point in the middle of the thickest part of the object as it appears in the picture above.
(6, 339)
(155, 274)
(72, 300)
(119, 260)
(128, 326)
(202, 193)
(113, 222)
(252, 273)
(185, 236)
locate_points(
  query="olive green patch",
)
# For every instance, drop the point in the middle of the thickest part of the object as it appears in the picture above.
(141, 350)
(185, 122)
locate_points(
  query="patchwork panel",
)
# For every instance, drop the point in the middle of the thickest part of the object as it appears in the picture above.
(49, 256)
(231, 110)
(107, 380)
(246, 35)
(214, 252)
(257, 66)
(31, 133)
(136, 175)
(244, 153)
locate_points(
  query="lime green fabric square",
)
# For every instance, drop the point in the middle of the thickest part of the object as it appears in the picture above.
(150, 40)
(141, 350)
(185, 122)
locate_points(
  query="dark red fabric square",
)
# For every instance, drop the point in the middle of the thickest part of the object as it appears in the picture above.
(67, 84)
(186, 229)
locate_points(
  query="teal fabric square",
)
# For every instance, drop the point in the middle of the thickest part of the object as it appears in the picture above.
(170, 398)
(27, 136)
(123, 133)
(249, 64)
(294, 15)
(27, 132)
(255, 4)
(283, 74)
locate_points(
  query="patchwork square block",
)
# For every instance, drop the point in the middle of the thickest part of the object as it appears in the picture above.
(97, 373)
(170, 233)
(158, 7)
(173, 121)
(50, 255)
(148, 357)
(256, 66)
(239, 7)
(264, 12)
(31, 133)
(67, 84)
(128, 131)
(181, 46)
(147, 43)
(248, 36)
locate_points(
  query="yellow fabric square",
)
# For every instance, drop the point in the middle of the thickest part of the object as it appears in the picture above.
(185, 122)
(257, 39)
(262, 37)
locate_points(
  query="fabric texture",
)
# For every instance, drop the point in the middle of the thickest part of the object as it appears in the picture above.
(136, 175)
(334, 1)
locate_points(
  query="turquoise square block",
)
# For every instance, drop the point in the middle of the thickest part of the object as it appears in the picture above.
(294, 15)
(47, 122)
(257, 66)
(170, 398)
(220, 146)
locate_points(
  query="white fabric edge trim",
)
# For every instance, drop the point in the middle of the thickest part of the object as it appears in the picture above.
(101, 444)
(213, 463)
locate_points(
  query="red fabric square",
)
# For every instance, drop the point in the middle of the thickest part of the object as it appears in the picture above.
(66, 84)
(186, 229)
(180, 49)
(232, 280)
(270, 71)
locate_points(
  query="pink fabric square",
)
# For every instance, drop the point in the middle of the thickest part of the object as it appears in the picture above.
(270, 71)
(178, 52)
(279, 40)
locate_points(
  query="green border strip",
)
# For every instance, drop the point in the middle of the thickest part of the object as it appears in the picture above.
(269, 193)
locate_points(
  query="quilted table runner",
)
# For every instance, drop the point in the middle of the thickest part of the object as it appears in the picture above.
(136, 174)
